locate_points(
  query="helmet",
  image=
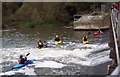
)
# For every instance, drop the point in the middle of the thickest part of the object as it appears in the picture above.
(21, 56)
(39, 40)
(56, 35)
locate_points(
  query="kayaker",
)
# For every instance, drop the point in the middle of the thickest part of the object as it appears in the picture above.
(57, 40)
(40, 44)
(115, 5)
(22, 60)
(85, 39)
(98, 31)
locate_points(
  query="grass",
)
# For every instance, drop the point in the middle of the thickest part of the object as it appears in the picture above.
(30, 23)
(24, 23)
(52, 24)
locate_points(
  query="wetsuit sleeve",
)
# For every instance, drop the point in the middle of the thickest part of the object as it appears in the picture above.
(55, 39)
(22, 61)
(25, 59)
(59, 39)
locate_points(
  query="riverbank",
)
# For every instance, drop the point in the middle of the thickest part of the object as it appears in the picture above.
(30, 24)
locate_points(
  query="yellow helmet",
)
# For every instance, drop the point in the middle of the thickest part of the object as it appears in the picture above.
(56, 35)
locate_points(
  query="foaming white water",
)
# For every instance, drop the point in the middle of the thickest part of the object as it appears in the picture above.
(43, 53)
(94, 56)
(49, 64)
(92, 61)
(0, 55)
(85, 54)
(24, 70)
(1, 60)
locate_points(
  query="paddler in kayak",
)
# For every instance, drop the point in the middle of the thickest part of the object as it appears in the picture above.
(57, 40)
(22, 60)
(40, 44)
(85, 39)
(99, 31)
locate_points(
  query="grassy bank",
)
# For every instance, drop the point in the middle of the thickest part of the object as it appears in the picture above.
(31, 23)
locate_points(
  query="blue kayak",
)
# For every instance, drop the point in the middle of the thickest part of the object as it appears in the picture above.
(21, 65)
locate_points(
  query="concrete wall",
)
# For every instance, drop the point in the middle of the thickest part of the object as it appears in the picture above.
(92, 22)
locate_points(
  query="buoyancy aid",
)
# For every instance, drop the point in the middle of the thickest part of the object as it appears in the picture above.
(40, 43)
(19, 60)
(116, 6)
(85, 38)
(57, 39)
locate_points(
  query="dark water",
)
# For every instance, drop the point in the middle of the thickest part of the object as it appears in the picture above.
(72, 56)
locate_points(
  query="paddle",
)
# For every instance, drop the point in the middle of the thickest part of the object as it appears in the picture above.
(27, 54)
(88, 33)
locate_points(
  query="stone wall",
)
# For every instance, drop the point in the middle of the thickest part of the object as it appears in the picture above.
(92, 22)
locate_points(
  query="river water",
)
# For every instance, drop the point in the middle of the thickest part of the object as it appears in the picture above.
(70, 58)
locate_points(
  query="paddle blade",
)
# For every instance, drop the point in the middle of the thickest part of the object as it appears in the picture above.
(51, 40)
(27, 54)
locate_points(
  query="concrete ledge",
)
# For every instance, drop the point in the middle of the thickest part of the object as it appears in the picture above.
(83, 27)
(92, 22)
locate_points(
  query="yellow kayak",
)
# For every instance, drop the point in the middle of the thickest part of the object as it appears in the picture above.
(57, 42)
(85, 42)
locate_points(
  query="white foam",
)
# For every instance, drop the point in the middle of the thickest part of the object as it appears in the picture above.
(92, 61)
(49, 64)
(25, 70)
(66, 56)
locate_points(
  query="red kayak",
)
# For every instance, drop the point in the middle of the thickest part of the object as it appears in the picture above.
(97, 33)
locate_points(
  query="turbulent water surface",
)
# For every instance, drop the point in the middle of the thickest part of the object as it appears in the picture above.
(69, 58)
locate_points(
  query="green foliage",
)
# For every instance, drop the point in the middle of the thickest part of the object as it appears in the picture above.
(36, 17)
(32, 23)
(49, 24)
(99, 13)
(25, 23)
(34, 13)
(70, 24)
(24, 12)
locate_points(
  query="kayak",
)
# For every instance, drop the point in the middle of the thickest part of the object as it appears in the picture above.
(22, 65)
(45, 46)
(97, 33)
(57, 42)
(85, 42)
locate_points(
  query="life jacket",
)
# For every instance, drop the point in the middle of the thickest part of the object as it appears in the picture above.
(85, 38)
(40, 43)
(19, 60)
(115, 6)
(57, 39)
